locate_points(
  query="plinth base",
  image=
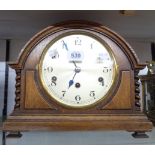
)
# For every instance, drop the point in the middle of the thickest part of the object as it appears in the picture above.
(128, 122)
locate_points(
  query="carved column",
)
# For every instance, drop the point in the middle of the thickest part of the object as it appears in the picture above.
(18, 89)
(137, 90)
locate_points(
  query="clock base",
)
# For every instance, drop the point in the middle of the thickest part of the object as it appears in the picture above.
(128, 122)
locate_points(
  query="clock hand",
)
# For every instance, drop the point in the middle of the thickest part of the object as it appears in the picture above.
(75, 64)
(71, 82)
(65, 45)
(77, 70)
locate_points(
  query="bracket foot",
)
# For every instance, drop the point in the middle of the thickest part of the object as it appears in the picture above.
(140, 134)
(15, 134)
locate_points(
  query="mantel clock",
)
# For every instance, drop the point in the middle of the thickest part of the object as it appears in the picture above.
(77, 75)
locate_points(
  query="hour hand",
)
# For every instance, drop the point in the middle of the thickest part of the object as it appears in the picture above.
(71, 82)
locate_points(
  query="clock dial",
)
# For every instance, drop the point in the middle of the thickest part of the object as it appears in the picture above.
(77, 70)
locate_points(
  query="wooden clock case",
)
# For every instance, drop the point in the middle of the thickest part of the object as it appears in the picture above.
(35, 110)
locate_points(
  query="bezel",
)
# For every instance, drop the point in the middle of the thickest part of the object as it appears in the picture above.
(93, 35)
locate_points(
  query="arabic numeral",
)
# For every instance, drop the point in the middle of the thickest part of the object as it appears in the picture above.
(63, 93)
(101, 81)
(92, 94)
(77, 98)
(53, 81)
(48, 69)
(91, 45)
(106, 70)
(78, 41)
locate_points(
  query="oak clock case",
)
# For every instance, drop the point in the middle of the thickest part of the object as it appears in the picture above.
(77, 75)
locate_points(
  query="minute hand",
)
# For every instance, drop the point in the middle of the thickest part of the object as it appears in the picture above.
(65, 45)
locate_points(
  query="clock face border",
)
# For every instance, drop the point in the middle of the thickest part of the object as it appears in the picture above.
(50, 97)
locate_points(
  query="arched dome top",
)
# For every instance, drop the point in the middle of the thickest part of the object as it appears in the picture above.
(77, 24)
